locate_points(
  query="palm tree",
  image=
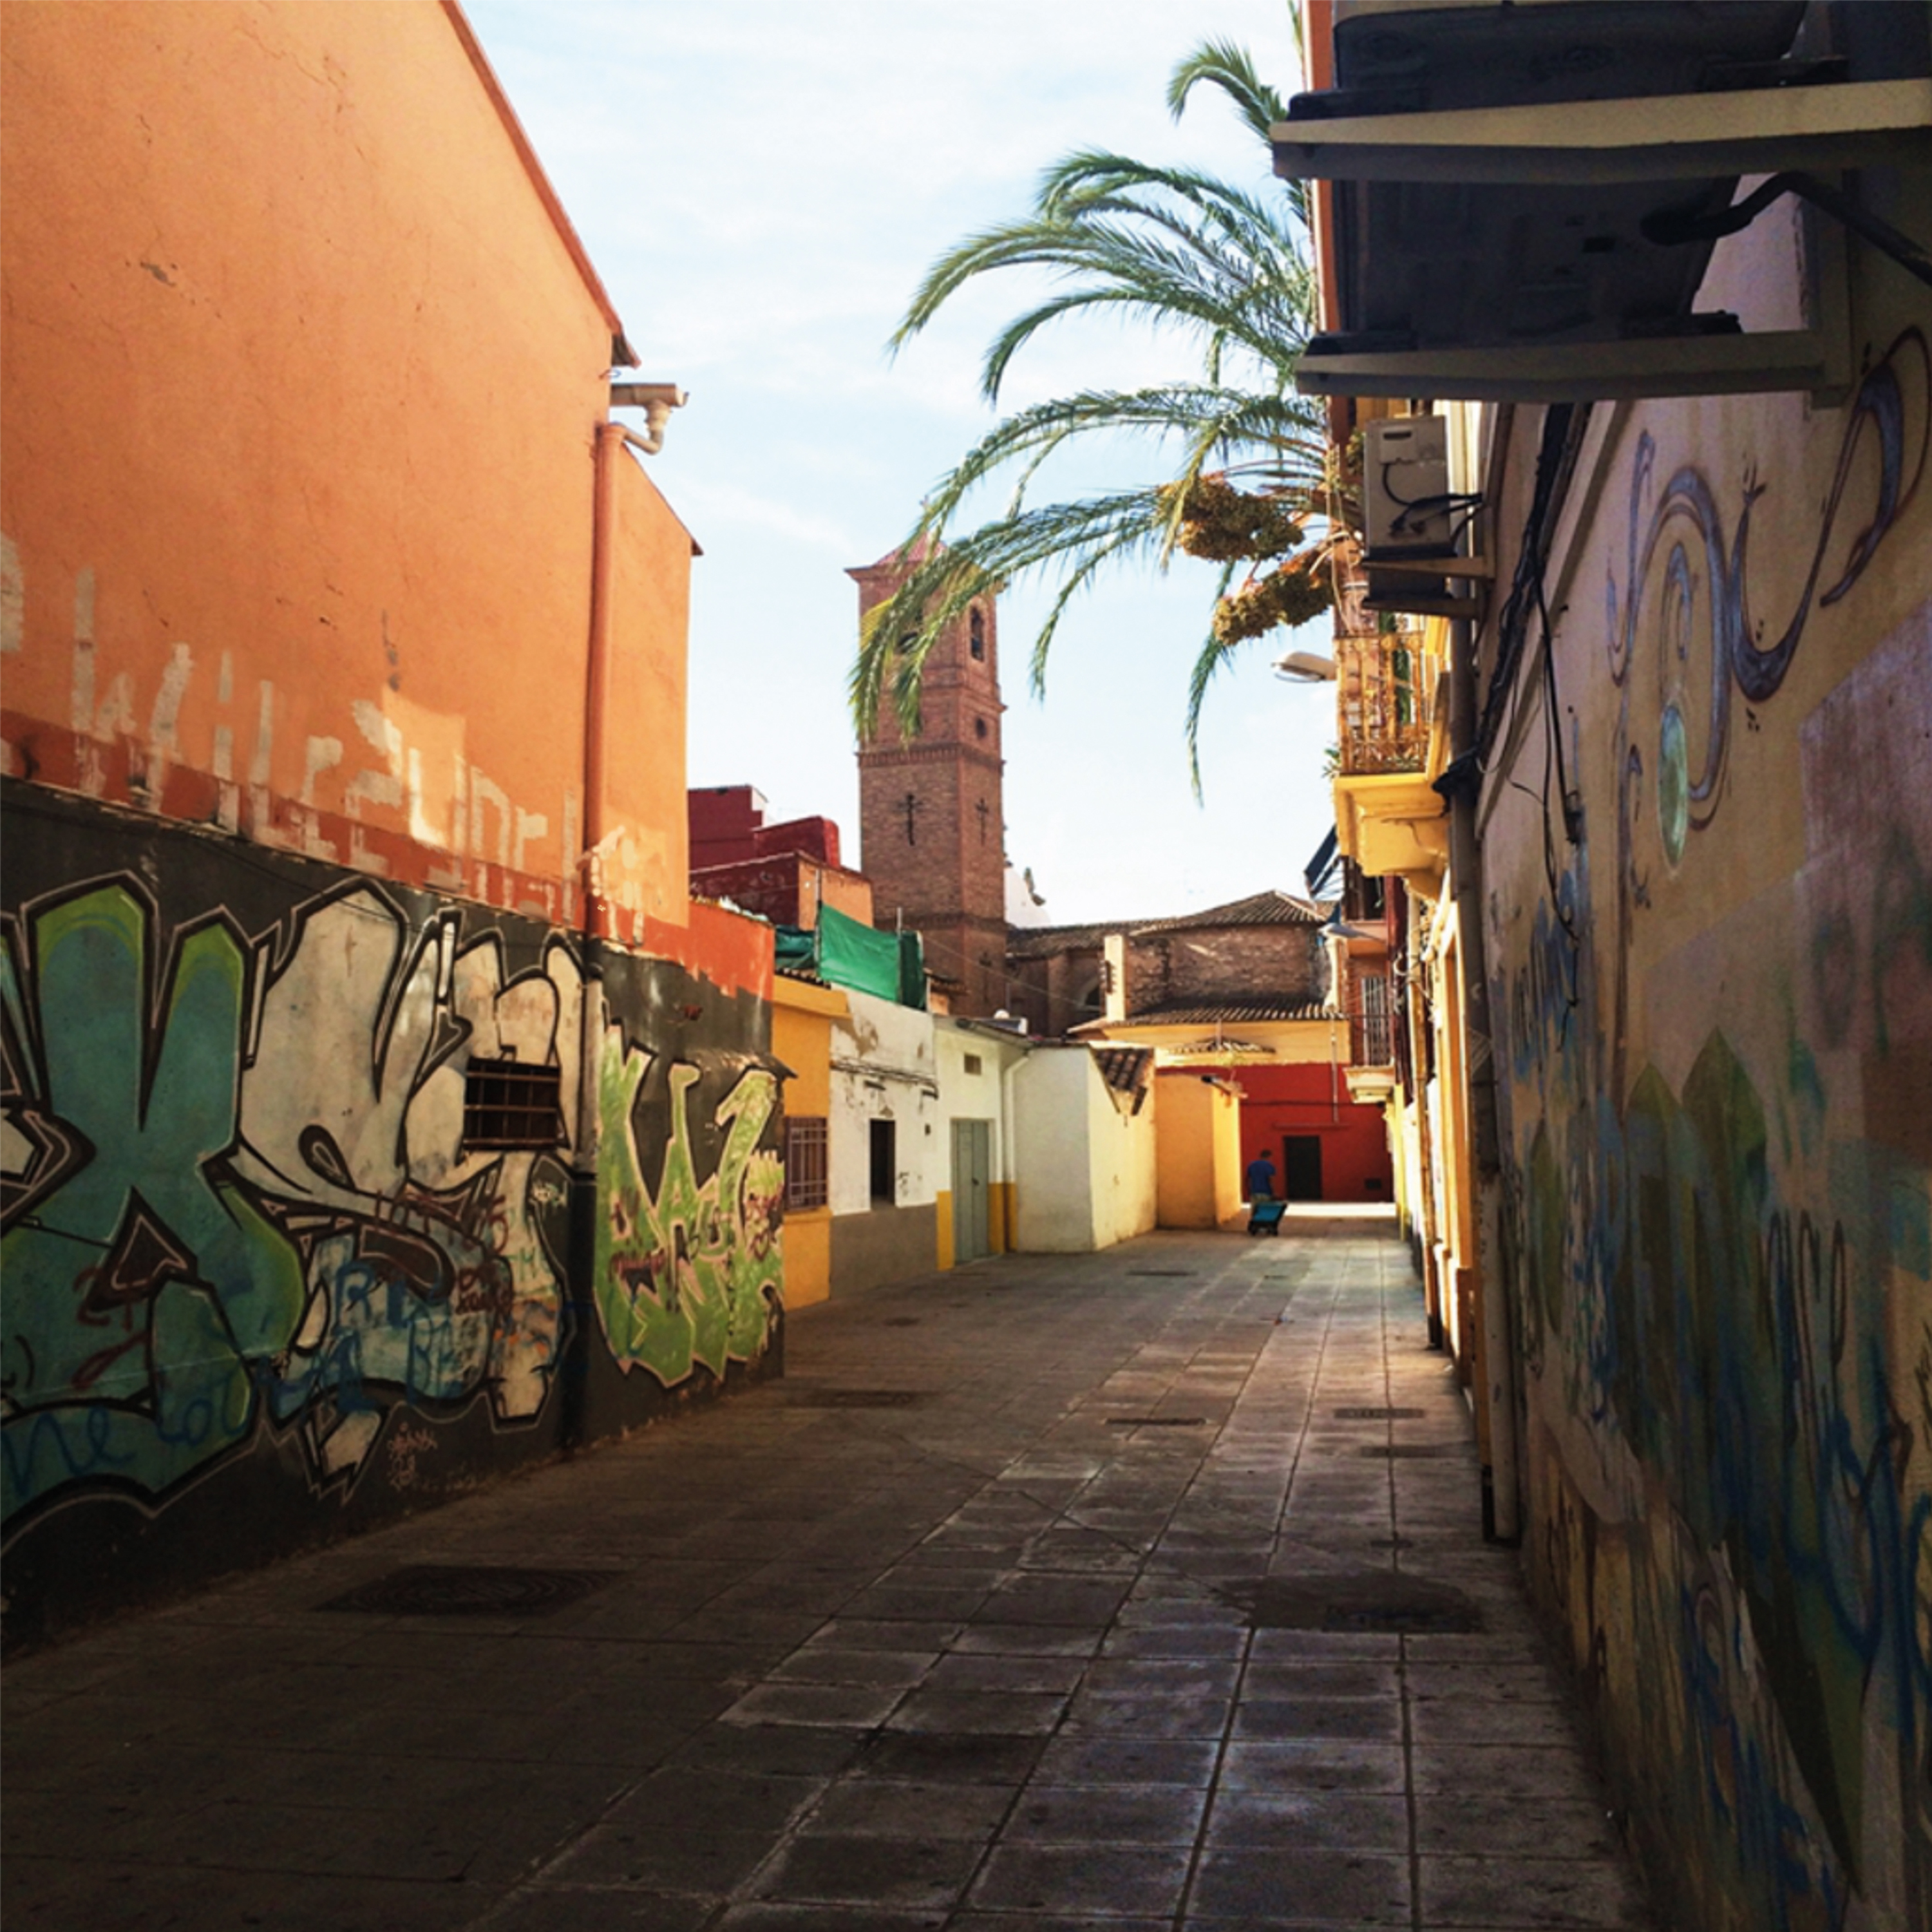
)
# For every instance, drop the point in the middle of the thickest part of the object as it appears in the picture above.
(1195, 259)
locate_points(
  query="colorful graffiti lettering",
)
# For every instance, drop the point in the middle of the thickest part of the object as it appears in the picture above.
(239, 1197)
(147, 1293)
(694, 1273)
(1721, 1185)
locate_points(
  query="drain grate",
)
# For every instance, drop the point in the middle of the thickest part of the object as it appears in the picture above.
(912, 1322)
(1377, 1415)
(462, 1590)
(1379, 1602)
(1166, 1274)
(1405, 1452)
(1157, 1422)
(854, 1398)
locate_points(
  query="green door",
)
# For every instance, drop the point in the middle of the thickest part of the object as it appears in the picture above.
(972, 1185)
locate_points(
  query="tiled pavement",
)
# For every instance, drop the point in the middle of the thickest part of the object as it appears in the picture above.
(933, 1634)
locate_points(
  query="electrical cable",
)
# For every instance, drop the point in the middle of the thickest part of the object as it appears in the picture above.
(1672, 227)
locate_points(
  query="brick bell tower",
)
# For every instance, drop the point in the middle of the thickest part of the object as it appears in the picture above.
(932, 819)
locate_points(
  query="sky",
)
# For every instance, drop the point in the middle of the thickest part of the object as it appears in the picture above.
(761, 184)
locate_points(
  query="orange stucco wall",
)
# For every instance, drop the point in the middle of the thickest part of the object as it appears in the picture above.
(301, 377)
(646, 865)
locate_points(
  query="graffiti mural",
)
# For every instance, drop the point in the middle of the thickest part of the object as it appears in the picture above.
(694, 1273)
(1720, 1181)
(147, 1292)
(241, 1207)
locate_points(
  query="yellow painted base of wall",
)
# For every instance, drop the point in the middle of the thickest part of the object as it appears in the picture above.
(942, 1201)
(1000, 1222)
(806, 1241)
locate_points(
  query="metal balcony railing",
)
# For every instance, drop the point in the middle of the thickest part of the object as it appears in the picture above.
(1371, 1036)
(1385, 695)
(1370, 1041)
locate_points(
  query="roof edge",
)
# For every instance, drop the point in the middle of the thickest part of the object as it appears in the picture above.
(622, 354)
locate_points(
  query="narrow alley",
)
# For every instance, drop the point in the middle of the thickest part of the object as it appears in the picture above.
(1134, 1589)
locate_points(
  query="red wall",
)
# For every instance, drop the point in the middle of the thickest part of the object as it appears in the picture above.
(1278, 1101)
(727, 829)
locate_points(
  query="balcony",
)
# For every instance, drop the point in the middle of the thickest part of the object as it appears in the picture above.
(1388, 816)
(1385, 693)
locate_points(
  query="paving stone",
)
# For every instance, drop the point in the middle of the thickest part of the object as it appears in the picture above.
(880, 1633)
(586, 1909)
(998, 1672)
(1126, 1676)
(1348, 1677)
(1009, 1713)
(1048, 1598)
(1104, 1878)
(1478, 1720)
(1340, 1821)
(1364, 1719)
(1071, 1759)
(824, 1663)
(840, 1706)
(855, 1869)
(1288, 1884)
(1517, 1771)
(756, 1917)
(1505, 1826)
(1123, 1814)
(1175, 1640)
(779, 1749)
(1599, 1894)
(860, 1806)
(1156, 1715)
(705, 1863)
(1312, 1765)
(948, 1676)
(710, 1801)
(950, 1757)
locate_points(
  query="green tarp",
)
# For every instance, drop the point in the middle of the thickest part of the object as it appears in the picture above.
(891, 965)
(797, 950)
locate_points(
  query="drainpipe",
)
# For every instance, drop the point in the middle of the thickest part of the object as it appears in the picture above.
(1461, 783)
(593, 921)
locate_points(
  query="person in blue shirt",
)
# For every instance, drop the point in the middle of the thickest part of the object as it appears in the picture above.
(1260, 1177)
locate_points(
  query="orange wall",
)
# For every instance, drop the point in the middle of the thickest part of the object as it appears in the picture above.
(301, 382)
(647, 833)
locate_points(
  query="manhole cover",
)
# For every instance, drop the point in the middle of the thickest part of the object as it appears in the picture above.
(1157, 1422)
(454, 1590)
(1374, 1602)
(854, 1398)
(1377, 1415)
(1404, 1452)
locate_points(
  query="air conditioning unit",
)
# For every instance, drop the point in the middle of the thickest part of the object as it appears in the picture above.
(1407, 509)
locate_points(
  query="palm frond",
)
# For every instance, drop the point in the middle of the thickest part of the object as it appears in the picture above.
(1192, 258)
(1221, 64)
(1214, 656)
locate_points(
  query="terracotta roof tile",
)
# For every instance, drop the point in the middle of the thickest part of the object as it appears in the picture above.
(1225, 1012)
(1265, 908)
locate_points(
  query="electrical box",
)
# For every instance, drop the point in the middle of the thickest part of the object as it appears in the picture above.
(1406, 506)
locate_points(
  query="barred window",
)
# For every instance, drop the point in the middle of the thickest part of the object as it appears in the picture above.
(511, 1103)
(805, 1162)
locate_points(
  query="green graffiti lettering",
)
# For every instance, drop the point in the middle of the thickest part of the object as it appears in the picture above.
(143, 1290)
(692, 1275)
